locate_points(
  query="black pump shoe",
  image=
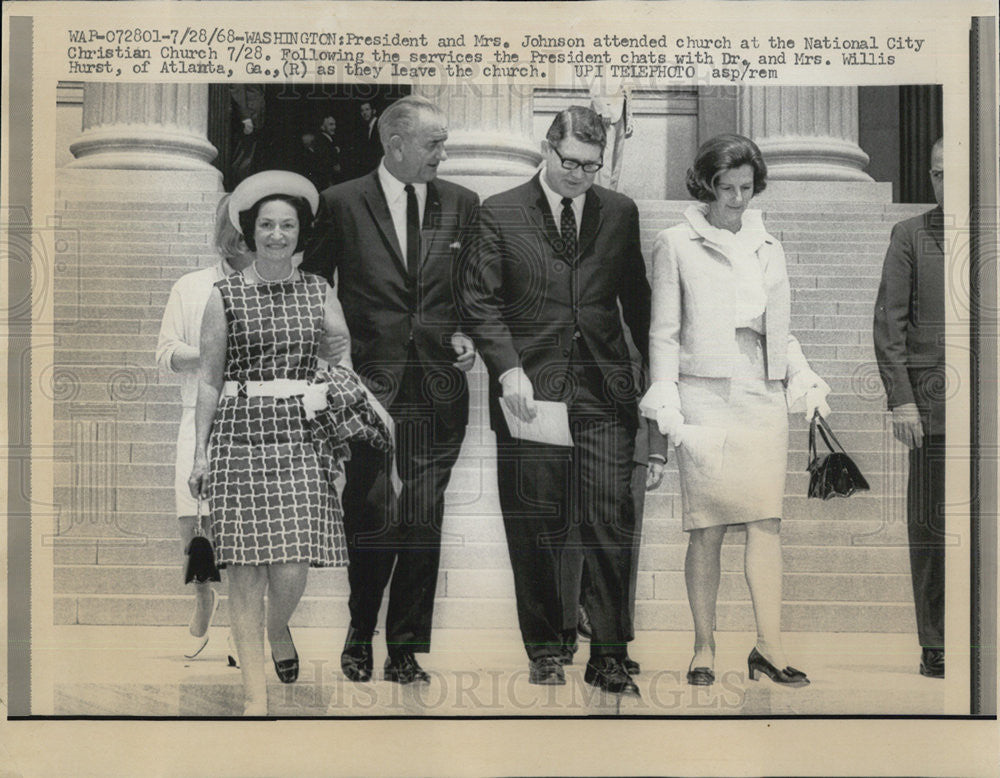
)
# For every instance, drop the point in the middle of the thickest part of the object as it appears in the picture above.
(287, 669)
(700, 676)
(789, 676)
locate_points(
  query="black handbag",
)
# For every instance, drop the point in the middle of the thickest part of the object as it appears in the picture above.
(834, 474)
(201, 566)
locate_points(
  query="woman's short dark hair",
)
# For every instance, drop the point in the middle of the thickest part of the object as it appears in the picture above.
(719, 154)
(248, 219)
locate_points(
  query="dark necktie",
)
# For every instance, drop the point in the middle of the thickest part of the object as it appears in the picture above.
(412, 231)
(567, 228)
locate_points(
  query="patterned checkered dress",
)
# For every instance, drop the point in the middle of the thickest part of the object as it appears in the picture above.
(272, 493)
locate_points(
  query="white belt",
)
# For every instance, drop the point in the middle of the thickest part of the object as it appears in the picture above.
(281, 388)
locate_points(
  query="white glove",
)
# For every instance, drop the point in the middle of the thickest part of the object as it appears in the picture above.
(663, 403)
(806, 392)
(816, 401)
(671, 423)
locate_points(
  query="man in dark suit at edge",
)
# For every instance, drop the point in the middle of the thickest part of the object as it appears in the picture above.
(367, 146)
(909, 347)
(392, 237)
(552, 261)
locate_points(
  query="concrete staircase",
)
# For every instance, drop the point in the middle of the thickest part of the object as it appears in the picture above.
(117, 559)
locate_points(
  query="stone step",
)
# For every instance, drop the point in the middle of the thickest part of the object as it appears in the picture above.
(185, 222)
(174, 264)
(92, 251)
(84, 343)
(88, 309)
(155, 197)
(495, 613)
(91, 327)
(141, 358)
(141, 238)
(801, 266)
(832, 207)
(97, 299)
(660, 526)
(872, 233)
(120, 580)
(84, 285)
(74, 545)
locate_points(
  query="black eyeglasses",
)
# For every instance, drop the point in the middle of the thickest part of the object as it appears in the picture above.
(573, 164)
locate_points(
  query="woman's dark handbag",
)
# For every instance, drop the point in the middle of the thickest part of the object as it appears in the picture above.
(833, 474)
(201, 557)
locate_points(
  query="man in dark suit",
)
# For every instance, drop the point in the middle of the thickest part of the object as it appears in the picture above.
(391, 236)
(367, 146)
(909, 346)
(329, 147)
(554, 258)
(248, 102)
(313, 160)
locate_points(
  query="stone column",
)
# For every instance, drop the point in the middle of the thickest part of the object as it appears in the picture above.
(805, 133)
(489, 130)
(144, 127)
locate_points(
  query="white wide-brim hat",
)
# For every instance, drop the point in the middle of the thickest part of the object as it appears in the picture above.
(270, 182)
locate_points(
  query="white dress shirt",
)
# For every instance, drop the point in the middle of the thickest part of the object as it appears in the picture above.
(555, 204)
(395, 197)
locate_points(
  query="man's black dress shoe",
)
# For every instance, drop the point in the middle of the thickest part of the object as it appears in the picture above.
(356, 658)
(631, 666)
(932, 662)
(403, 668)
(547, 671)
(609, 673)
(583, 622)
(287, 669)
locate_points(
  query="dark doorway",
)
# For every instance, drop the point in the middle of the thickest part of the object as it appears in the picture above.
(291, 113)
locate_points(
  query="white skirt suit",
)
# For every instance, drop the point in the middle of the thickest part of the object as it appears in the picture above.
(182, 324)
(720, 321)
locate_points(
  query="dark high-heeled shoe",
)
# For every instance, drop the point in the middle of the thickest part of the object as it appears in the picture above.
(789, 676)
(287, 669)
(701, 676)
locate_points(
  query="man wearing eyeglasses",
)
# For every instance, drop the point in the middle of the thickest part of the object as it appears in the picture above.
(552, 262)
(909, 346)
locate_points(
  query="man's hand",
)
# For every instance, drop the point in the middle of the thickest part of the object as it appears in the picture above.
(332, 347)
(519, 394)
(248, 126)
(906, 425)
(466, 351)
(654, 472)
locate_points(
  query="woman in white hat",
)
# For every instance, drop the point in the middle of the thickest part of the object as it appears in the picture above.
(275, 509)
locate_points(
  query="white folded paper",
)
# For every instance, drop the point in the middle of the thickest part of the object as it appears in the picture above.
(550, 425)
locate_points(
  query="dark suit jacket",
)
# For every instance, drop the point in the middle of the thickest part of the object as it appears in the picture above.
(366, 149)
(249, 100)
(909, 317)
(332, 172)
(385, 309)
(314, 164)
(524, 303)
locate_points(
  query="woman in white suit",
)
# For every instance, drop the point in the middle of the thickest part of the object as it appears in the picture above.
(726, 371)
